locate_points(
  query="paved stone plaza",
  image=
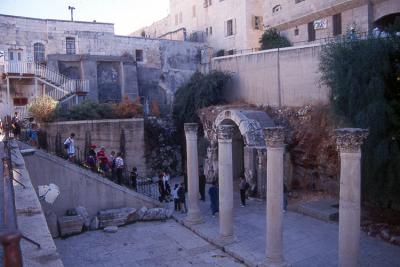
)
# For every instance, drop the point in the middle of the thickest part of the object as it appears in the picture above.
(307, 241)
(142, 244)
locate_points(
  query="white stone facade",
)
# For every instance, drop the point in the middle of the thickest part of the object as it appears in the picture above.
(208, 18)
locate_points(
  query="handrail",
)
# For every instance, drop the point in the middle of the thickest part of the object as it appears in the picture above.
(10, 236)
(57, 80)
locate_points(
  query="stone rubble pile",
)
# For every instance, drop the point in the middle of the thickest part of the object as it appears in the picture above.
(109, 220)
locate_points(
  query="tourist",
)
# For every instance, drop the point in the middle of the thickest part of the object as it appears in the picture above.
(112, 165)
(176, 197)
(133, 178)
(181, 196)
(202, 187)
(285, 201)
(16, 126)
(29, 129)
(167, 187)
(103, 160)
(69, 146)
(119, 167)
(33, 140)
(1, 127)
(91, 159)
(161, 188)
(242, 187)
(213, 192)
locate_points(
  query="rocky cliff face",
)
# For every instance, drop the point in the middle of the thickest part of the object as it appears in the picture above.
(312, 148)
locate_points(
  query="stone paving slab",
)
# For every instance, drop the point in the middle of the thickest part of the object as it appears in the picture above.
(143, 244)
(323, 209)
(307, 241)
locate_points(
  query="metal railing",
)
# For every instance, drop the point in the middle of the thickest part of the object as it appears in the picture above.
(62, 85)
(10, 236)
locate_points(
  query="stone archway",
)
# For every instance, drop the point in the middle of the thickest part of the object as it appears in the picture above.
(248, 144)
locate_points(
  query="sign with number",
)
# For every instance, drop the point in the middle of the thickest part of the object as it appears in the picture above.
(320, 24)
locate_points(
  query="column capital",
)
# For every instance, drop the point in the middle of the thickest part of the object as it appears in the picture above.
(191, 128)
(349, 140)
(225, 132)
(274, 136)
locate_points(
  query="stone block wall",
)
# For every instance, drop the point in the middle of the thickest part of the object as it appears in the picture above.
(288, 77)
(105, 133)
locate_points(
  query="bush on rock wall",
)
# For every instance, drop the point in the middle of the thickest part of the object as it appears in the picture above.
(42, 108)
(364, 78)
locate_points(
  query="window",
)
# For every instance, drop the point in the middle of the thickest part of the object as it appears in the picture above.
(296, 31)
(38, 52)
(139, 55)
(11, 55)
(229, 28)
(276, 8)
(209, 2)
(176, 19)
(70, 45)
(180, 17)
(311, 31)
(19, 56)
(210, 30)
(20, 101)
(337, 24)
(298, 1)
(194, 11)
(206, 31)
(257, 22)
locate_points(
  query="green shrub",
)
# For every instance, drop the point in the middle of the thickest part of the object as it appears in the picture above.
(86, 111)
(271, 39)
(201, 91)
(364, 78)
(42, 108)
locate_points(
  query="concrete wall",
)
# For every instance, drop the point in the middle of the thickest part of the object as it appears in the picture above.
(80, 187)
(289, 77)
(104, 133)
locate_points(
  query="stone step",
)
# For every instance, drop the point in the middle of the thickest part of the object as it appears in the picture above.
(324, 209)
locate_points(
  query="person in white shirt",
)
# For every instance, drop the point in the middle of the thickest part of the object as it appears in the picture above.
(119, 167)
(70, 147)
(176, 197)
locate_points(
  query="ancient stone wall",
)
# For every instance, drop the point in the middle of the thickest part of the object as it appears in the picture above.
(288, 77)
(80, 187)
(105, 133)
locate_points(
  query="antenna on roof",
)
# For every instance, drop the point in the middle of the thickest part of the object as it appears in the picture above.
(72, 12)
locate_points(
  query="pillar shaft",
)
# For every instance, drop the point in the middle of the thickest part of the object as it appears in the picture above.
(349, 142)
(194, 215)
(225, 176)
(274, 138)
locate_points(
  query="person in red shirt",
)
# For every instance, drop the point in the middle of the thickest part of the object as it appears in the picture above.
(103, 160)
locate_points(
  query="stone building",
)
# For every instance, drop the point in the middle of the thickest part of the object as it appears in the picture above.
(236, 26)
(74, 60)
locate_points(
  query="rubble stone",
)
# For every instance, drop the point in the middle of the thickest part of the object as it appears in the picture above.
(155, 214)
(85, 215)
(117, 217)
(111, 229)
(94, 224)
(70, 225)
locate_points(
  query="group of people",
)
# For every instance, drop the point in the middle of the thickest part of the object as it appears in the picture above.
(32, 129)
(112, 166)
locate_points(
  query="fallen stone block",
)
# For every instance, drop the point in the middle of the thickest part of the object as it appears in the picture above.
(111, 229)
(142, 212)
(70, 225)
(94, 224)
(117, 217)
(155, 214)
(85, 215)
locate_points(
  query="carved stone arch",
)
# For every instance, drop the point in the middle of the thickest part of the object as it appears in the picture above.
(250, 123)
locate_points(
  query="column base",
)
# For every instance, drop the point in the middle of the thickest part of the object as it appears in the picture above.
(274, 263)
(192, 219)
(225, 240)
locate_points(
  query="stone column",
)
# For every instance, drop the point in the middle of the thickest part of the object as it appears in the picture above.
(225, 180)
(349, 143)
(194, 215)
(274, 137)
(261, 190)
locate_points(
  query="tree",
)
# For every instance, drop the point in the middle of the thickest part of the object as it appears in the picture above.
(42, 108)
(364, 78)
(271, 39)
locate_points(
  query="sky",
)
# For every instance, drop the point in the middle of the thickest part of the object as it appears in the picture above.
(127, 15)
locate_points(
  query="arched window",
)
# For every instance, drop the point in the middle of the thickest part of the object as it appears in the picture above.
(38, 52)
(276, 8)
